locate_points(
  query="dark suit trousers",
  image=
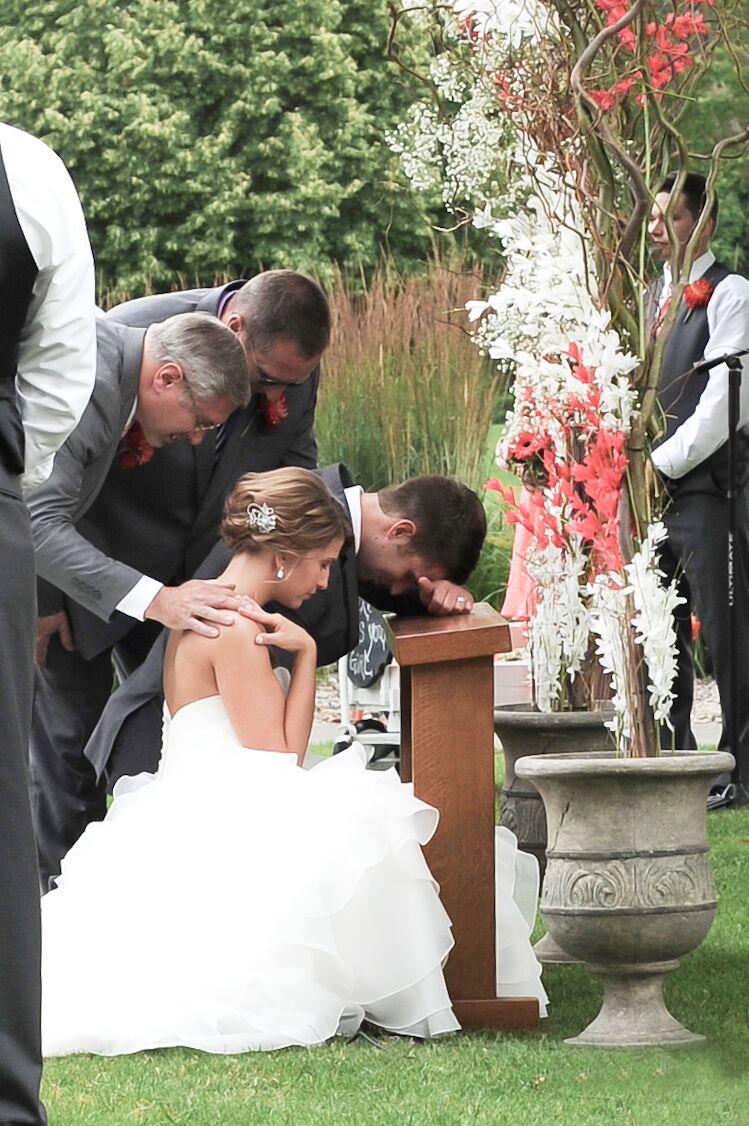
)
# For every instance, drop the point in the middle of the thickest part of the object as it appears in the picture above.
(20, 942)
(69, 696)
(697, 550)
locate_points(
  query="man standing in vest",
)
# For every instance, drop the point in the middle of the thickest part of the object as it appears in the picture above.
(692, 458)
(47, 364)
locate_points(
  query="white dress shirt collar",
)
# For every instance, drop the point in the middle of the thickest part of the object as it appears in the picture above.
(353, 499)
(699, 266)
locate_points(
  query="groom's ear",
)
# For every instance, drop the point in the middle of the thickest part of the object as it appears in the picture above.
(401, 531)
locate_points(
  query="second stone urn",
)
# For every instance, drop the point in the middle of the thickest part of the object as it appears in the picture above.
(523, 730)
(628, 887)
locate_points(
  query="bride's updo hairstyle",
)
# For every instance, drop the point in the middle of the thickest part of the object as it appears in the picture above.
(286, 510)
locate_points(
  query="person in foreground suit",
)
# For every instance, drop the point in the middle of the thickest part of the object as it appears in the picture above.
(47, 362)
(412, 544)
(692, 458)
(180, 378)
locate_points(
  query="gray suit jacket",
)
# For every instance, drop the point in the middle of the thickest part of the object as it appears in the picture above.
(64, 556)
(161, 519)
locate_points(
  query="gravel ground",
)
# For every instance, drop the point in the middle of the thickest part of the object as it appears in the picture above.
(706, 705)
(327, 702)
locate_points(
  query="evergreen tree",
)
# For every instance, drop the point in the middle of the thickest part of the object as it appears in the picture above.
(211, 139)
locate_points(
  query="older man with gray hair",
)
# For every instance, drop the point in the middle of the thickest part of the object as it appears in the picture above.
(176, 379)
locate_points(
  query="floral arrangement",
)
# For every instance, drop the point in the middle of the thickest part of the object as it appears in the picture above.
(697, 295)
(274, 411)
(134, 449)
(550, 128)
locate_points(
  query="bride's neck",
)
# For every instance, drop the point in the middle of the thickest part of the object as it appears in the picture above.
(252, 575)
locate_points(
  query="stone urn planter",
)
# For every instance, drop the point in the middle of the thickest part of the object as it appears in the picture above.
(628, 887)
(523, 730)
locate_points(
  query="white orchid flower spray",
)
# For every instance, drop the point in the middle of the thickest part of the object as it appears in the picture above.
(548, 129)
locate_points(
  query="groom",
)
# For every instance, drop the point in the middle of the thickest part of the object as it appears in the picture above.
(183, 377)
(412, 543)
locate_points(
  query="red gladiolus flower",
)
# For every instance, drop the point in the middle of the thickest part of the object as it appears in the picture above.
(687, 24)
(580, 371)
(604, 99)
(695, 627)
(505, 491)
(526, 445)
(628, 39)
(468, 27)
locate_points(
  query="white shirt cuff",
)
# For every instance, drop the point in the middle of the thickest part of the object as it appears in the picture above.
(136, 601)
(662, 463)
(39, 474)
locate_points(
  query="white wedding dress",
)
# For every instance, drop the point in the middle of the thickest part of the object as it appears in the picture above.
(233, 902)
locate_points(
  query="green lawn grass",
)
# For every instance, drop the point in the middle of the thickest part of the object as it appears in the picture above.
(472, 1078)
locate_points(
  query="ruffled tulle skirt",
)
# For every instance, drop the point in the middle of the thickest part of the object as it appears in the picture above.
(233, 902)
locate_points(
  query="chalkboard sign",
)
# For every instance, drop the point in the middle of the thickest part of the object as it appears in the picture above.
(368, 659)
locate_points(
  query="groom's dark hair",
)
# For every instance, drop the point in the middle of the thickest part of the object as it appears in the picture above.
(449, 518)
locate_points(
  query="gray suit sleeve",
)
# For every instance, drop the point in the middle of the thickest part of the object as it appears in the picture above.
(144, 311)
(63, 556)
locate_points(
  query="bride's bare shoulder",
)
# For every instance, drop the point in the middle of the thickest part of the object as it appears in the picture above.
(232, 640)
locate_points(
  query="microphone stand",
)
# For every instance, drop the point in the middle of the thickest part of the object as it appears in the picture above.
(734, 577)
(739, 782)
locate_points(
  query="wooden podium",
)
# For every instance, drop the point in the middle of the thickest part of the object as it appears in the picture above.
(447, 750)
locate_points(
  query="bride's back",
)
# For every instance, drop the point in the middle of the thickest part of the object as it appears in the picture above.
(190, 661)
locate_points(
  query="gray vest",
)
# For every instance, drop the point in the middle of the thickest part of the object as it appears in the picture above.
(680, 390)
(17, 276)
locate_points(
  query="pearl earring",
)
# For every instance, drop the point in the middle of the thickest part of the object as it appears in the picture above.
(280, 573)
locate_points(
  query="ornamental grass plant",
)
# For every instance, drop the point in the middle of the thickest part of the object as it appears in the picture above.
(404, 389)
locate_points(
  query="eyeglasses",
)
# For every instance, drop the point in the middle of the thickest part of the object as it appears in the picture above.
(200, 424)
(262, 380)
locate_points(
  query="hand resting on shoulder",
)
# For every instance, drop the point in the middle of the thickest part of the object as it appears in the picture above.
(237, 667)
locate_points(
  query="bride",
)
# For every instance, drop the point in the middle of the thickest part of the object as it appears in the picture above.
(233, 902)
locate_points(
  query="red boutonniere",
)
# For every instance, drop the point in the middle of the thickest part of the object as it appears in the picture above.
(134, 449)
(697, 294)
(274, 411)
